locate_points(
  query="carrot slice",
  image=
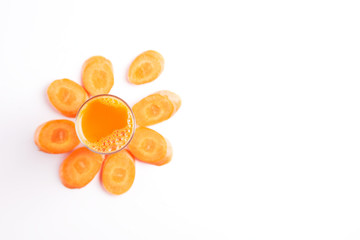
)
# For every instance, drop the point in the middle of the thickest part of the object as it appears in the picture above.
(151, 147)
(97, 75)
(66, 96)
(118, 172)
(56, 136)
(146, 67)
(80, 167)
(156, 108)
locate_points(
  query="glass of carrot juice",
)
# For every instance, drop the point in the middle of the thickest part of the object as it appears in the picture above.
(105, 124)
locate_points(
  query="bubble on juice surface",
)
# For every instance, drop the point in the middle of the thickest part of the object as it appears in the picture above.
(113, 101)
(113, 142)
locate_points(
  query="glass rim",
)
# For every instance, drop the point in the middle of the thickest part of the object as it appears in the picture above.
(77, 124)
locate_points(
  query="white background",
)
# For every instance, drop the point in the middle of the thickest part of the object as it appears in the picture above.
(266, 143)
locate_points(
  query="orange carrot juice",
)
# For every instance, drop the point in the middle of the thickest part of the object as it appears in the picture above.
(105, 124)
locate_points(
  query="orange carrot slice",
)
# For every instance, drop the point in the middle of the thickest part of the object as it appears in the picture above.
(66, 96)
(118, 172)
(146, 67)
(97, 75)
(151, 147)
(80, 167)
(56, 136)
(156, 108)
